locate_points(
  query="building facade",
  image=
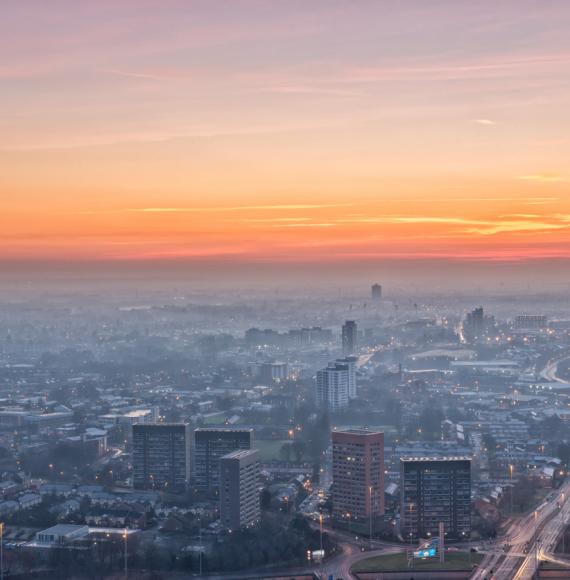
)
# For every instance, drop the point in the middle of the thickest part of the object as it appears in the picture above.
(210, 445)
(358, 474)
(161, 456)
(376, 292)
(239, 489)
(435, 490)
(333, 387)
(349, 332)
(350, 362)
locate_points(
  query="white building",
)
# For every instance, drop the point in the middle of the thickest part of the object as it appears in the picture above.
(333, 386)
(350, 362)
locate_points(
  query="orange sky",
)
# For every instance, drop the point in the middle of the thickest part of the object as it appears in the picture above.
(271, 131)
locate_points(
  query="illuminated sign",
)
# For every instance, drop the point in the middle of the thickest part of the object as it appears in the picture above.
(428, 553)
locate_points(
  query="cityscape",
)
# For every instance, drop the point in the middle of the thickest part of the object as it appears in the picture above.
(284, 290)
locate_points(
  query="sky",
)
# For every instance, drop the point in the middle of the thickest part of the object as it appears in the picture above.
(300, 132)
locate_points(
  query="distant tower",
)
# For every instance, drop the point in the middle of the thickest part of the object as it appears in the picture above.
(376, 292)
(349, 330)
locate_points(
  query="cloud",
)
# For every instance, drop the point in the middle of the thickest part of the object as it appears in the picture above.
(290, 206)
(149, 75)
(484, 122)
(220, 209)
(311, 225)
(542, 177)
(516, 226)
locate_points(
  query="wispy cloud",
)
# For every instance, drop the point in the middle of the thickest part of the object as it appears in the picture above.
(149, 75)
(542, 177)
(307, 225)
(220, 209)
(484, 122)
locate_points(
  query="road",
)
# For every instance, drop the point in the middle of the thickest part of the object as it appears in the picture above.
(530, 539)
(550, 370)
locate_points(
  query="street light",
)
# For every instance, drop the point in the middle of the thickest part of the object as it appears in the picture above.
(370, 489)
(511, 474)
(1, 550)
(321, 529)
(126, 536)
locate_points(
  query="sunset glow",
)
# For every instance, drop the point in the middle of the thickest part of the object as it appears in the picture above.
(285, 131)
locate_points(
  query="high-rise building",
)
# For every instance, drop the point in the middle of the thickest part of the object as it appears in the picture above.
(477, 324)
(333, 383)
(350, 362)
(531, 322)
(349, 330)
(270, 372)
(239, 489)
(376, 292)
(358, 474)
(209, 446)
(161, 456)
(435, 490)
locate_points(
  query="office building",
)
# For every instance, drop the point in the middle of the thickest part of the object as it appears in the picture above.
(435, 490)
(210, 445)
(333, 387)
(376, 292)
(349, 330)
(531, 322)
(239, 489)
(350, 362)
(358, 474)
(161, 456)
(271, 372)
(477, 324)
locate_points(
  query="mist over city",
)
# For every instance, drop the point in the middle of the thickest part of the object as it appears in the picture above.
(284, 290)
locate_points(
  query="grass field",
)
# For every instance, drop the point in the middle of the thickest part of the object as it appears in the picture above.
(453, 561)
(269, 448)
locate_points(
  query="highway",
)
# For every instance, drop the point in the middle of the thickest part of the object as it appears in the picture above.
(529, 540)
(549, 371)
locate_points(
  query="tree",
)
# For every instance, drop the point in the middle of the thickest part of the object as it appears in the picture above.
(285, 452)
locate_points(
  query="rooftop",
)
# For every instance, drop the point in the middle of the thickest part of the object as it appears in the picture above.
(436, 458)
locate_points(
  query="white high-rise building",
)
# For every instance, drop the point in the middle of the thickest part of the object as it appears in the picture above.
(350, 362)
(333, 386)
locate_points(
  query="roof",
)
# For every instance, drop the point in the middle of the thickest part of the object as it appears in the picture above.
(240, 454)
(64, 529)
(435, 458)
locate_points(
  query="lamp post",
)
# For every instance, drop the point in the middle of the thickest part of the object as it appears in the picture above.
(1, 550)
(321, 530)
(370, 489)
(511, 475)
(126, 536)
(200, 554)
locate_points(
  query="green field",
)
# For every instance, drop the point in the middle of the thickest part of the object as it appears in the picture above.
(453, 561)
(269, 448)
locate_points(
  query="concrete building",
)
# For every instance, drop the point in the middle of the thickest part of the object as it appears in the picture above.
(435, 490)
(350, 362)
(62, 534)
(333, 384)
(349, 332)
(239, 489)
(530, 322)
(271, 372)
(376, 292)
(161, 456)
(210, 445)
(358, 474)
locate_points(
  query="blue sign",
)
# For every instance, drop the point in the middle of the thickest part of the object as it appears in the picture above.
(429, 553)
